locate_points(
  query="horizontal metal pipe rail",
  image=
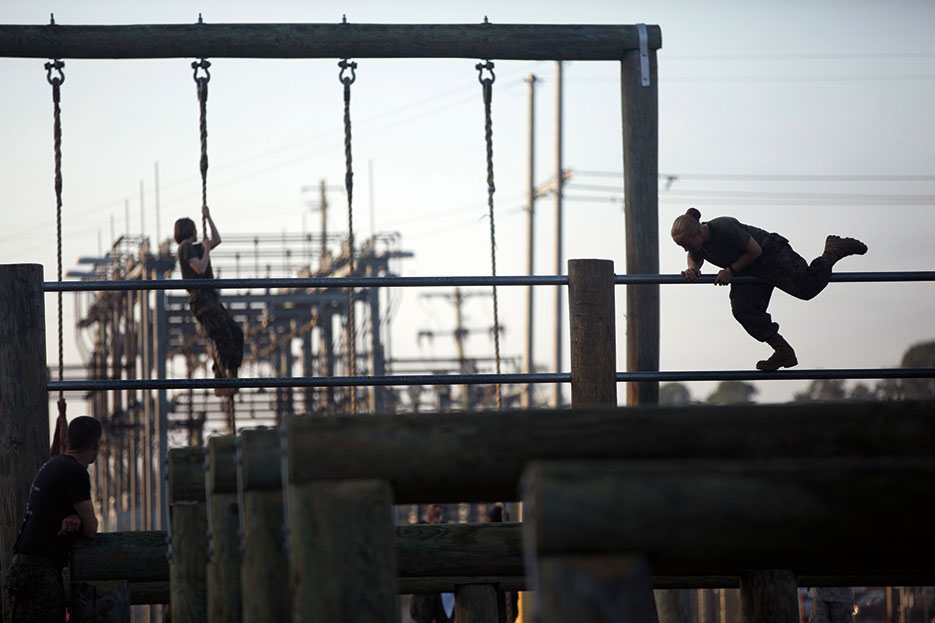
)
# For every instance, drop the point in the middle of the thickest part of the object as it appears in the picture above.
(460, 281)
(486, 379)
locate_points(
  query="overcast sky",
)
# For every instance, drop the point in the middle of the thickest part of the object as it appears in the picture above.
(803, 118)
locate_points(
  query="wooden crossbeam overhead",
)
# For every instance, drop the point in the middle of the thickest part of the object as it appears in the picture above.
(494, 41)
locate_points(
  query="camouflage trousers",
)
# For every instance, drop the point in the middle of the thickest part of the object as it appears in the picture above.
(36, 593)
(779, 266)
(223, 331)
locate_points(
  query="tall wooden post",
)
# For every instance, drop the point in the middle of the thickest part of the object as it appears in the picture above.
(593, 341)
(223, 569)
(769, 597)
(24, 401)
(188, 590)
(640, 105)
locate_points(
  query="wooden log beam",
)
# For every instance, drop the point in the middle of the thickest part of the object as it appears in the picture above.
(24, 401)
(494, 41)
(497, 446)
(811, 517)
(432, 558)
(593, 337)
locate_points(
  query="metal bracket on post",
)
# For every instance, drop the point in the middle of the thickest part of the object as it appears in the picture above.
(644, 54)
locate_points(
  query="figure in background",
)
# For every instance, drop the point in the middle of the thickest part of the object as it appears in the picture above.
(741, 249)
(59, 506)
(205, 303)
(831, 605)
(507, 601)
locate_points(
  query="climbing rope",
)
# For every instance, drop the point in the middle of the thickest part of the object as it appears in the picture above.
(487, 84)
(61, 424)
(347, 81)
(201, 83)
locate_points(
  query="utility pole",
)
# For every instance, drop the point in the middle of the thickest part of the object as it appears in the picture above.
(558, 227)
(530, 232)
(460, 332)
(321, 206)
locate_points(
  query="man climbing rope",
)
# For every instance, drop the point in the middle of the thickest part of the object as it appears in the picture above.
(205, 303)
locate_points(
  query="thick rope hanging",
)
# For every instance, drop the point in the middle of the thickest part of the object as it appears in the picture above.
(347, 81)
(201, 83)
(487, 84)
(61, 424)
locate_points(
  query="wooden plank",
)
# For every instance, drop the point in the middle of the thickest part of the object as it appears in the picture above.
(484, 549)
(149, 592)
(187, 588)
(593, 337)
(496, 41)
(342, 554)
(640, 111)
(187, 474)
(769, 596)
(223, 566)
(24, 401)
(497, 446)
(718, 517)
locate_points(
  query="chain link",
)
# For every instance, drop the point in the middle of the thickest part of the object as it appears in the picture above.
(487, 85)
(201, 83)
(347, 81)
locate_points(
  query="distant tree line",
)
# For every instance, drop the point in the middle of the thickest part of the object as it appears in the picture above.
(921, 355)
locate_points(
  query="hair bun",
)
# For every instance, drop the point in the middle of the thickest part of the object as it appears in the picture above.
(694, 213)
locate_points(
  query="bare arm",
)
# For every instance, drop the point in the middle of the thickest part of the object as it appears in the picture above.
(750, 254)
(215, 238)
(694, 268)
(85, 512)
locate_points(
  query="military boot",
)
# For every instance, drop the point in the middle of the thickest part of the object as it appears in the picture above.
(783, 357)
(837, 248)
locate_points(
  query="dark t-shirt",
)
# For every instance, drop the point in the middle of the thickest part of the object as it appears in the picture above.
(58, 485)
(193, 251)
(728, 241)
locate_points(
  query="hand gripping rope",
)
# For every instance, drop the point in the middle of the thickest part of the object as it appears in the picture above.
(487, 84)
(347, 81)
(61, 424)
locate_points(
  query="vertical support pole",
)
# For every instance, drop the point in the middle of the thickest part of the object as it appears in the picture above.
(476, 603)
(187, 588)
(346, 525)
(223, 569)
(264, 565)
(24, 400)
(559, 254)
(146, 373)
(769, 597)
(641, 196)
(530, 234)
(162, 349)
(593, 338)
(377, 357)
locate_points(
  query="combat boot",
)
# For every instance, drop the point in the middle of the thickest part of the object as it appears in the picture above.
(783, 357)
(837, 248)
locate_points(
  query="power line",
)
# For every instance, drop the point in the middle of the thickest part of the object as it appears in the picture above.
(766, 177)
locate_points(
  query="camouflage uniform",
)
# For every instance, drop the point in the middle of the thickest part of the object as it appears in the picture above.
(206, 306)
(37, 593)
(779, 266)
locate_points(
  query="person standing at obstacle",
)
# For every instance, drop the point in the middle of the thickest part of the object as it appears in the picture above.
(430, 607)
(205, 303)
(740, 249)
(59, 506)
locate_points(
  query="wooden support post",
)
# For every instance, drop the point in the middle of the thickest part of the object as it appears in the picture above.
(343, 553)
(265, 565)
(188, 591)
(223, 571)
(593, 339)
(769, 597)
(476, 603)
(24, 401)
(640, 105)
